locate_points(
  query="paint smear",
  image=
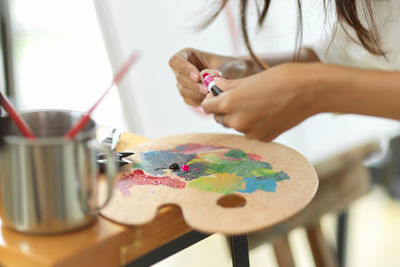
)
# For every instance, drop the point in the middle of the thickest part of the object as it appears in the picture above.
(159, 160)
(224, 183)
(259, 183)
(138, 177)
(208, 168)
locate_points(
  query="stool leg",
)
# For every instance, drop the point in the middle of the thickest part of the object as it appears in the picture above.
(323, 254)
(283, 253)
(341, 237)
(239, 251)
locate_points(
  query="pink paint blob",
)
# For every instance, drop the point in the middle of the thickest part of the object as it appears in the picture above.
(138, 177)
(185, 168)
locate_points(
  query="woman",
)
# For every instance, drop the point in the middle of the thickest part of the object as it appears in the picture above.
(263, 102)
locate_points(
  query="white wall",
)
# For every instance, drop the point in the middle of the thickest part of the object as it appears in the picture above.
(60, 58)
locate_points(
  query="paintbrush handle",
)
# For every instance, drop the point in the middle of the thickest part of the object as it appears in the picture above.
(18, 120)
(77, 127)
(117, 78)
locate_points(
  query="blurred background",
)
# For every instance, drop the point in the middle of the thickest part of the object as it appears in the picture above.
(64, 54)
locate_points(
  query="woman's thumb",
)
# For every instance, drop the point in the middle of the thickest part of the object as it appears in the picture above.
(223, 84)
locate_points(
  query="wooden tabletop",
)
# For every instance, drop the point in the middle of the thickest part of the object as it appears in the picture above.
(103, 243)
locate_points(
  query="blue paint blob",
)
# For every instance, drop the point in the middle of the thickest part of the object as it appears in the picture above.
(259, 183)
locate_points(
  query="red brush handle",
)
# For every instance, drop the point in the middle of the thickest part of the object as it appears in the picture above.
(117, 78)
(18, 120)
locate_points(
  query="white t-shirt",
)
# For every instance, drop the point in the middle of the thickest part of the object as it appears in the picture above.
(343, 50)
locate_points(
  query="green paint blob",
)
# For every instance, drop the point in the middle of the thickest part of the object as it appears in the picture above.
(236, 154)
(138, 165)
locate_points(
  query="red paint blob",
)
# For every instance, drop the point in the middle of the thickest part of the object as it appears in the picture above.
(138, 177)
(185, 168)
(254, 157)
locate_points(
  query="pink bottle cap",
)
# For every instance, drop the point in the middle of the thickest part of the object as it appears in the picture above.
(208, 79)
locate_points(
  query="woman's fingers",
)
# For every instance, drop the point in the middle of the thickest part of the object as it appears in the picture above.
(185, 82)
(192, 102)
(180, 63)
(190, 94)
(224, 102)
(186, 65)
(220, 118)
(211, 104)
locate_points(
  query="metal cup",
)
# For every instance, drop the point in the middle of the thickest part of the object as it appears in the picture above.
(50, 185)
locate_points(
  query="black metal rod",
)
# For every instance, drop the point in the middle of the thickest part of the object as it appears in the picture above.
(168, 249)
(239, 251)
(341, 237)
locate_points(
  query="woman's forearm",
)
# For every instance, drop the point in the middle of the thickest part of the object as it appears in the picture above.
(305, 55)
(349, 90)
(273, 59)
(245, 66)
(266, 104)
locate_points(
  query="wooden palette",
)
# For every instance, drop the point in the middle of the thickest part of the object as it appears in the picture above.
(211, 212)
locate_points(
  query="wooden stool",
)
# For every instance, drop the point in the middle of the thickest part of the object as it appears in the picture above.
(343, 179)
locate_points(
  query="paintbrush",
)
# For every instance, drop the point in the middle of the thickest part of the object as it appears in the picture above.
(117, 78)
(17, 119)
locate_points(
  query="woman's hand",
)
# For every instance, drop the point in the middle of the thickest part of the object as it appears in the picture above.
(188, 63)
(264, 105)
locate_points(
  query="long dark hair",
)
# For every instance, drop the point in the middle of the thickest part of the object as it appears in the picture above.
(347, 15)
